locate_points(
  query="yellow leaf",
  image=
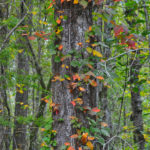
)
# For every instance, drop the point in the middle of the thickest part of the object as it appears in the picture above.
(89, 49)
(58, 31)
(21, 91)
(90, 145)
(63, 65)
(45, 23)
(148, 81)
(20, 50)
(96, 53)
(34, 12)
(40, 21)
(75, 2)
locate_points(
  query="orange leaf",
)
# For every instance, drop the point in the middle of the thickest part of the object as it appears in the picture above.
(70, 148)
(58, 21)
(75, 2)
(84, 138)
(93, 83)
(74, 136)
(73, 117)
(46, 101)
(67, 144)
(90, 28)
(62, 1)
(90, 66)
(104, 124)
(80, 44)
(80, 148)
(81, 89)
(95, 109)
(91, 138)
(100, 77)
(60, 47)
(73, 103)
(76, 76)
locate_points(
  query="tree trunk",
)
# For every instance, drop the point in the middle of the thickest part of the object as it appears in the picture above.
(136, 103)
(5, 132)
(21, 101)
(74, 28)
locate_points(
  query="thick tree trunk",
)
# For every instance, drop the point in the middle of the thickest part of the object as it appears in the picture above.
(78, 21)
(136, 103)
(21, 100)
(5, 132)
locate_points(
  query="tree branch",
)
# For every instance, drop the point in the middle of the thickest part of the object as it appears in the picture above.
(10, 33)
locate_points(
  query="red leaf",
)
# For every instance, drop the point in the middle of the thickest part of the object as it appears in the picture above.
(118, 30)
(131, 44)
(31, 37)
(95, 109)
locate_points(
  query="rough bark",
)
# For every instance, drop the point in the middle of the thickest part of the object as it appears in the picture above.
(5, 132)
(136, 104)
(78, 21)
(21, 99)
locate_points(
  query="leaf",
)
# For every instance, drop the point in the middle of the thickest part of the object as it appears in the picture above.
(95, 109)
(58, 21)
(118, 30)
(76, 77)
(80, 148)
(98, 2)
(93, 83)
(83, 3)
(60, 47)
(104, 124)
(90, 145)
(91, 138)
(75, 2)
(62, 1)
(90, 28)
(105, 132)
(84, 138)
(74, 136)
(89, 49)
(82, 89)
(100, 77)
(73, 103)
(70, 148)
(67, 144)
(96, 53)
(31, 37)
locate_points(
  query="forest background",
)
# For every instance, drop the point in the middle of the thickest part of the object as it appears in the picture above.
(74, 74)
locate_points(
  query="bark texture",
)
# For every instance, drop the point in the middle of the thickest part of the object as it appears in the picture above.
(74, 28)
(21, 100)
(136, 104)
(5, 132)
